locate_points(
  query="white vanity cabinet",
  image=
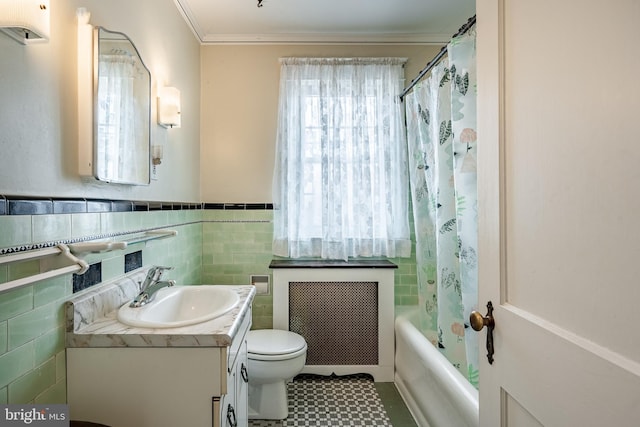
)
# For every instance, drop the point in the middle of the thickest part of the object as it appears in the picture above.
(196, 386)
(233, 406)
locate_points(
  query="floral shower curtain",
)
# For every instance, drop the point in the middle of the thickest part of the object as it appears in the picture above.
(441, 123)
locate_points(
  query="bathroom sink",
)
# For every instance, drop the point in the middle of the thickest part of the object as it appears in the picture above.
(180, 306)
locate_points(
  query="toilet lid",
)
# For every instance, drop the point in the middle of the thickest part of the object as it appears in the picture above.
(273, 342)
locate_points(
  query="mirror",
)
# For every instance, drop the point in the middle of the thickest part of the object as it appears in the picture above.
(121, 110)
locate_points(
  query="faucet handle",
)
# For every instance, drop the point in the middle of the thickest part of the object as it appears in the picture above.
(153, 275)
(159, 270)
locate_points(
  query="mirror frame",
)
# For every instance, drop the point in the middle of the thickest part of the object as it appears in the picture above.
(145, 177)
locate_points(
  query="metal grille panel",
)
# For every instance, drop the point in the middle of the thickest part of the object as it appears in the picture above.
(339, 321)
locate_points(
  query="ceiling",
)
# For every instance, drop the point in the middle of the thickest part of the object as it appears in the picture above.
(325, 21)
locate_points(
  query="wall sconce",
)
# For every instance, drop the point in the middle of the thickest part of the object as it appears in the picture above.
(26, 21)
(85, 92)
(169, 107)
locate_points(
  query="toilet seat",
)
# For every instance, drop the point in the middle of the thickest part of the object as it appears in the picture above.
(274, 344)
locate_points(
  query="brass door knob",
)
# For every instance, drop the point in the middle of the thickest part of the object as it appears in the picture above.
(478, 321)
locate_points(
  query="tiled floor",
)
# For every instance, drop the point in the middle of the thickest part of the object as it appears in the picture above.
(353, 400)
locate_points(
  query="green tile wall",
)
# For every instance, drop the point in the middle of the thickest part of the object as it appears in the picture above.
(406, 280)
(32, 357)
(212, 246)
(237, 244)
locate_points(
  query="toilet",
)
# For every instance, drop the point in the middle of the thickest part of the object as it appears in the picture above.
(275, 357)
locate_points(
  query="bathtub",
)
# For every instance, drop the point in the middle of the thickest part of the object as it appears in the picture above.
(435, 392)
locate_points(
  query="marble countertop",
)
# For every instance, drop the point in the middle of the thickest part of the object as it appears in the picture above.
(91, 321)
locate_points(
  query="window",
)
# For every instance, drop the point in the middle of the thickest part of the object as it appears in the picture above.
(340, 179)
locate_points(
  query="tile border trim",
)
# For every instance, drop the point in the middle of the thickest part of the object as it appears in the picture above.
(33, 246)
(27, 205)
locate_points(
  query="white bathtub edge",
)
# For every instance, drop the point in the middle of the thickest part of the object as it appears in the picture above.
(453, 390)
(412, 405)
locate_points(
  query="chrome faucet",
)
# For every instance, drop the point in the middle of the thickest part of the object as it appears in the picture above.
(151, 285)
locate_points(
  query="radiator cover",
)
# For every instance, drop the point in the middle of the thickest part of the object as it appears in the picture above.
(340, 309)
(339, 321)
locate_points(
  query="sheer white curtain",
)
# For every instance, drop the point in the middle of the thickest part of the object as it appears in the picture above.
(340, 179)
(116, 111)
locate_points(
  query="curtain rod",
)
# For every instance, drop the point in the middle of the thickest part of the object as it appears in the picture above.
(466, 27)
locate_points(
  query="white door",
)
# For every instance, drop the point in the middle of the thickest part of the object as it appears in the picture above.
(559, 200)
